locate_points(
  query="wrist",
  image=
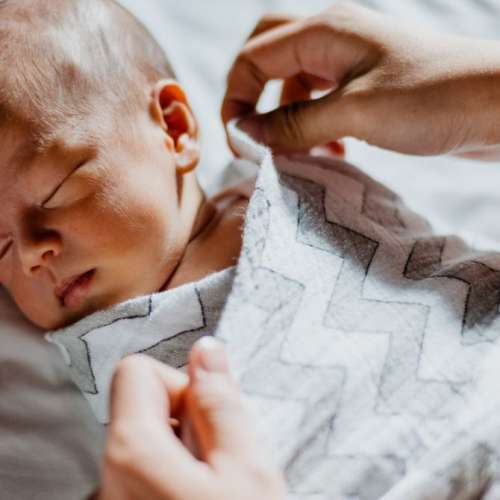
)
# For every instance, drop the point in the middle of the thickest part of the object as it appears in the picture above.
(476, 91)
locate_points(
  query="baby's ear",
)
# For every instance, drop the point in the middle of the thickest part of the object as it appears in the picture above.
(171, 109)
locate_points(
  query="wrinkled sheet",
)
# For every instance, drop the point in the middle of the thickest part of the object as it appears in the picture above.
(49, 438)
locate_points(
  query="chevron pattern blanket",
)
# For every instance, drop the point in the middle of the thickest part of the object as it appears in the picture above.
(365, 344)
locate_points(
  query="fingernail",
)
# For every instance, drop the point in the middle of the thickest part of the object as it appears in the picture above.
(213, 357)
(253, 128)
(336, 147)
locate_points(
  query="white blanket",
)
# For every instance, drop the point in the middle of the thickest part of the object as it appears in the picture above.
(164, 325)
(361, 338)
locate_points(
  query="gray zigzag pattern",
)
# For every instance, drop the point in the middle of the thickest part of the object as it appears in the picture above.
(380, 204)
(405, 322)
(483, 298)
(73, 340)
(407, 329)
(320, 389)
(173, 350)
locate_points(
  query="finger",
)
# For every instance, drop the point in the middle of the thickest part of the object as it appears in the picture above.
(147, 464)
(336, 147)
(303, 125)
(270, 55)
(220, 421)
(143, 387)
(485, 154)
(332, 149)
(300, 88)
(294, 90)
(325, 49)
(142, 449)
(269, 22)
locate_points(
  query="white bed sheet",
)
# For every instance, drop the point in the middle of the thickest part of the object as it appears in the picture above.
(49, 442)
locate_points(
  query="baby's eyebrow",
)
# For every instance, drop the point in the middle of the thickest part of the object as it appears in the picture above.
(22, 158)
(23, 153)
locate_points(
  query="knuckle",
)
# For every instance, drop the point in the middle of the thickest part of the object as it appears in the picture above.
(270, 20)
(126, 366)
(218, 397)
(244, 68)
(130, 363)
(315, 23)
(292, 123)
(263, 24)
(129, 447)
(263, 20)
(244, 59)
(266, 478)
(266, 19)
(120, 452)
(358, 103)
(342, 17)
(260, 474)
(344, 9)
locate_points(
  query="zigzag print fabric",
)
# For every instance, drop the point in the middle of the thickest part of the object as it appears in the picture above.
(365, 344)
(163, 325)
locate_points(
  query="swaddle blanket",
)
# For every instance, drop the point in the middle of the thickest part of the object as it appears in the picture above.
(365, 344)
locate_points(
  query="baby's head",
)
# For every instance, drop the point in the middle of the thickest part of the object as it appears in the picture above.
(97, 148)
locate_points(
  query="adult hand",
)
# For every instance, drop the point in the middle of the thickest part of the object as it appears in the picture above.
(146, 459)
(393, 85)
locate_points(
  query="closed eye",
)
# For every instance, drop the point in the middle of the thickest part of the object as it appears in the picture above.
(5, 249)
(59, 186)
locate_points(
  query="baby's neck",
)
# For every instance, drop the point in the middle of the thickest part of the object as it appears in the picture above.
(216, 239)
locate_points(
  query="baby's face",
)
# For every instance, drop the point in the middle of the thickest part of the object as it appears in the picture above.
(90, 222)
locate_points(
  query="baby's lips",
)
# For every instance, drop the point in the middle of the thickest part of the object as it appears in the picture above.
(336, 147)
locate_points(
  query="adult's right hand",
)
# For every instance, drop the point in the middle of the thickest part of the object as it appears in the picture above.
(218, 456)
(393, 85)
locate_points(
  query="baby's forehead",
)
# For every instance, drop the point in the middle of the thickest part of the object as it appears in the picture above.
(58, 57)
(74, 62)
(22, 149)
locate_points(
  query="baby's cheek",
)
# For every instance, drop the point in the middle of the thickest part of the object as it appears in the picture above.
(121, 224)
(36, 302)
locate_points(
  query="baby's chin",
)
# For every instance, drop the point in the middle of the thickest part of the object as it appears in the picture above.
(95, 290)
(97, 304)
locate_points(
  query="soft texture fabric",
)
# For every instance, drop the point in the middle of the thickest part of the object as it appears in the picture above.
(369, 344)
(164, 325)
(365, 344)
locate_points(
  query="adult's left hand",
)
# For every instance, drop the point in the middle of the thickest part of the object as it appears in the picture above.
(391, 84)
(146, 459)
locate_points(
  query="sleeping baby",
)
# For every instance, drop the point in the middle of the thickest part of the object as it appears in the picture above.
(99, 146)
(100, 202)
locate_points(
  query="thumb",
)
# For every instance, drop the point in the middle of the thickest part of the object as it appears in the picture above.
(302, 125)
(215, 407)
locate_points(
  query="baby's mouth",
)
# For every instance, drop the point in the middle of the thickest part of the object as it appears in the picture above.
(73, 291)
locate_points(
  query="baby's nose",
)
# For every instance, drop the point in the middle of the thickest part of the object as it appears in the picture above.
(38, 252)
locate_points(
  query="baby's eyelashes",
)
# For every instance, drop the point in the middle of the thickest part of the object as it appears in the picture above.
(50, 198)
(5, 249)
